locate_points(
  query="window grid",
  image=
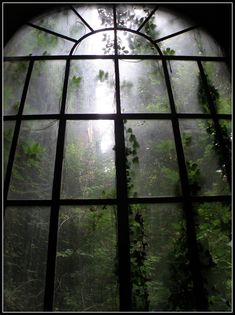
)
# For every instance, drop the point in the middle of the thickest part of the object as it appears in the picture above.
(122, 200)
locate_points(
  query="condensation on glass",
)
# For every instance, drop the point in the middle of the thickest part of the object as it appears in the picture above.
(33, 168)
(165, 22)
(205, 171)
(99, 16)
(132, 16)
(91, 87)
(215, 251)
(186, 102)
(219, 80)
(143, 87)
(165, 241)
(63, 21)
(86, 258)
(101, 43)
(132, 44)
(31, 41)
(25, 251)
(196, 42)
(152, 158)
(47, 76)
(89, 162)
(14, 77)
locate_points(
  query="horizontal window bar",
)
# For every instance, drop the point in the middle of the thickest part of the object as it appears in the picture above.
(33, 117)
(114, 116)
(170, 116)
(157, 57)
(62, 202)
(69, 202)
(28, 203)
(147, 200)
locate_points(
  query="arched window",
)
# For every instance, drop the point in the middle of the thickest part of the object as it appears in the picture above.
(117, 163)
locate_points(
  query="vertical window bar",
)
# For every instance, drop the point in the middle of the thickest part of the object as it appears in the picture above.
(16, 132)
(122, 194)
(81, 18)
(201, 302)
(218, 131)
(54, 217)
(147, 19)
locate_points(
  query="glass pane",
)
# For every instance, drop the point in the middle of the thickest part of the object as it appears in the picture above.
(31, 41)
(86, 260)
(224, 153)
(165, 22)
(101, 43)
(215, 249)
(132, 44)
(205, 167)
(185, 77)
(91, 87)
(89, 166)
(63, 21)
(33, 168)
(220, 85)
(14, 78)
(152, 168)
(25, 254)
(47, 76)
(193, 43)
(161, 274)
(98, 16)
(9, 127)
(226, 130)
(142, 87)
(132, 16)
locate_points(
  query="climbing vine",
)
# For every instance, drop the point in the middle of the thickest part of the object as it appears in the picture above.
(138, 238)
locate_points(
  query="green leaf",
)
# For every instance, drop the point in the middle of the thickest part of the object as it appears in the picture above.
(66, 253)
(32, 150)
(135, 160)
(102, 76)
(132, 138)
(16, 106)
(169, 51)
(76, 80)
(136, 144)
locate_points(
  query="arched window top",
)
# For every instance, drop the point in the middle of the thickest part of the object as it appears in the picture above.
(141, 29)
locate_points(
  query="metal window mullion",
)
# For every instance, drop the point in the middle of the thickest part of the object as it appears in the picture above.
(147, 19)
(122, 194)
(17, 132)
(201, 302)
(135, 116)
(81, 18)
(215, 118)
(89, 202)
(127, 57)
(175, 34)
(43, 29)
(54, 217)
